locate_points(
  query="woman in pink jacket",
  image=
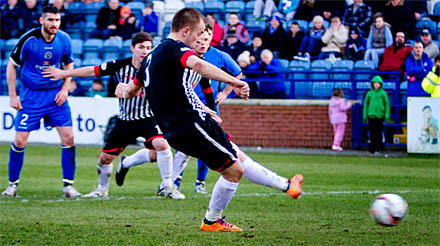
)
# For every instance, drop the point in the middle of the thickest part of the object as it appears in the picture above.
(337, 112)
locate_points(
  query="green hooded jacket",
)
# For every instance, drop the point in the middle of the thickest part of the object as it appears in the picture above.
(376, 103)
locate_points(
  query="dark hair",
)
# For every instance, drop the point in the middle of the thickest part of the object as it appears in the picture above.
(426, 107)
(141, 37)
(186, 17)
(49, 9)
(378, 15)
(338, 92)
(208, 26)
(213, 16)
(437, 58)
(295, 23)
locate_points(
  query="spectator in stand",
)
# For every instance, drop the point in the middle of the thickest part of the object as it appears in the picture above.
(30, 14)
(418, 7)
(217, 35)
(10, 18)
(311, 45)
(379, 38)
(430, 48)
(149, 23)
(329, 8)
(283, 8)
(127, 23)
(305, 10)
(107, 20)
(97, 89)
(358, 15)
(356, 46)
(376, 111)
(335, 39)
(337, 111)
(399, 16)
(255, 47)
(274, 36)
(431, 84)
(418, 65)
(270, 68)
(244, 60)
(395, 55)
(232, 45)
(292, 42)
(73, 89)
(241, 31)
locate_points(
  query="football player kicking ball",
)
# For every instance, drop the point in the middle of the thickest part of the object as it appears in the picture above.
(41, 98)
(166, 73)
(135, 120)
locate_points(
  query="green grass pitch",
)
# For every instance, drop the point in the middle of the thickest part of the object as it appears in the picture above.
(333, 211)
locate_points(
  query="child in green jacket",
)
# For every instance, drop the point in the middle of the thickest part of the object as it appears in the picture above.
(376, 110)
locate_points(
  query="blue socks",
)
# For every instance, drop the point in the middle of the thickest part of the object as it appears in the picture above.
(202, 171)
(16, 156)
(68, 164)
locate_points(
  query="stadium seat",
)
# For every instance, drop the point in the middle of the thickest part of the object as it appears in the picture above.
(172, 6)
(364, 65)
(110, 56)
(255, 26)
(342, 65)
(112, 45)
(197, 5)
(91, 62)
(159, 6)
(285, 63)
(92, 48)
(215, 7)
(320, 65)
(296, 65)
(303, 88)
(94, 7)
(77, 62)
(156, 40)
(235, 7)
(2, 48)
(167, 29)
(77, 48)
(426, 23)
(249, 8)
(303, 25)
(9, 46)
(322, 90)
(136, 8)
(126, 46)
(77, 7)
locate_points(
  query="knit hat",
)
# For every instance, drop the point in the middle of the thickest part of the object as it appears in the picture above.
(124, 10)
(149, 5)
(377, 78)
(276, 18)
(318, 18)
(245, 57)
(231, 32)
(257, 35)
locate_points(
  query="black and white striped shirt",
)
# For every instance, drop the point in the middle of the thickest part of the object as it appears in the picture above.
(123, 71)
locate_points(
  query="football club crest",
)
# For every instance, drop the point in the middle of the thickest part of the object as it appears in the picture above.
(47, 55)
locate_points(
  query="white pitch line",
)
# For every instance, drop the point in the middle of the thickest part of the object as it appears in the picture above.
(313, 193)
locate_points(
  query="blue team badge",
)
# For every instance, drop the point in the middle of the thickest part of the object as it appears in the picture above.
(47, 55)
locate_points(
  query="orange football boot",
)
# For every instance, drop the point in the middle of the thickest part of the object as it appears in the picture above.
(220, 225)
(295, 186)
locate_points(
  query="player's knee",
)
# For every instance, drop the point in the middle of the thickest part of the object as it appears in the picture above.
(105, 158)
(233, 173)
(20, 142)
(160, 144)
(67, 140)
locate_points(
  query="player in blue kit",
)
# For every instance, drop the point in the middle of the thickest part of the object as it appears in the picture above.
(225, 62)
(189, 126)
(41, 98)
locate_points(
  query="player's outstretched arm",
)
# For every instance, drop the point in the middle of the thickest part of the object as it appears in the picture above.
(11, 77)
(127, 90)
(210, 71)
(56, 74)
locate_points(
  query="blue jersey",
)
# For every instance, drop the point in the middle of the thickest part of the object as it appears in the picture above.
(223, 61)
(34, 54)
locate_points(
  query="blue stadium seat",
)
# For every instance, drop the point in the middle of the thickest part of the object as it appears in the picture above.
(436, 9)
(126, 46)
(77, 47)
(343, 65)
(303, 88)
(296, 65)
(166, 29)
(303, 25)
(235, 7)
(77, 7)
(249, 8)
(2, 48)
(215, 7)
(320, 65)
(322, 90)
(285, 63)
(94, 7)
(92, 48)
(112, 45)
(91, 62)
(136, 8)
(196, 5)
(9, 46)
(427, 23)
(255, 26)
(77, 62)
(110, 56)
(364, 65)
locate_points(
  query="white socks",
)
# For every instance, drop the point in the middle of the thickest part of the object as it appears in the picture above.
(104, 174)
(179, 163)
(165, 164)
(257, 173)
(140, 157)
(222, 194)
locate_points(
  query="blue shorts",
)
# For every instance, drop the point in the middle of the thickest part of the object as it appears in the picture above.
(40, 104)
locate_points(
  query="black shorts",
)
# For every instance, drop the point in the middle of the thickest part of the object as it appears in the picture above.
(126, 132)
(207, 142)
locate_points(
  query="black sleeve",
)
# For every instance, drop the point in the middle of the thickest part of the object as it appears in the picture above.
(109, 68)
(207, 90)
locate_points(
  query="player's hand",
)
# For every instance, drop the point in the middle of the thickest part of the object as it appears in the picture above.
(61, 97)
(53, 73)
(14, 102)
(119, 92)
(220, 97)
(242, 90)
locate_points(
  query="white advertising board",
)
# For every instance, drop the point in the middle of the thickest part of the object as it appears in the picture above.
(89, 119)
(423, 125)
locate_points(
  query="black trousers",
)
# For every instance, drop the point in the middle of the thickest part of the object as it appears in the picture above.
(375, 128)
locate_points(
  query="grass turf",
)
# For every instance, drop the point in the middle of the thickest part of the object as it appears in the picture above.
(333, 211)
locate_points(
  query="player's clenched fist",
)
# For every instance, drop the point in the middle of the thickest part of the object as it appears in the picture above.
(121, 90)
